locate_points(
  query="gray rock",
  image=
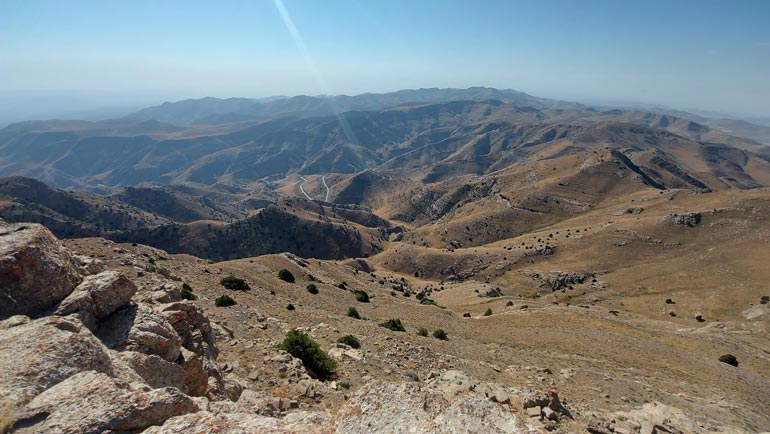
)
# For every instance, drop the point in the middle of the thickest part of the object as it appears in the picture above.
(91, 402)
(38, 354)
(99, 295)
(36, 270)
(140, 328)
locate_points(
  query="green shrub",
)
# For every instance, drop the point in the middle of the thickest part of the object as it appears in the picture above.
(440, 334)
(300, 345)
(224, 301)
(311, 288)
(285, 275)
(234, 283)
(729, 359)
(488, 312)
(350, 341)
(467, 315)
(345, 384)
(361, 296)
(422, 331)
(353, 313)
(393, 324)
(428, 301)
(187, 292)
(765, 299)
(290, 307)
(509, 303)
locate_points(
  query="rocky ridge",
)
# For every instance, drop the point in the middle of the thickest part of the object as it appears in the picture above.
(106, 354)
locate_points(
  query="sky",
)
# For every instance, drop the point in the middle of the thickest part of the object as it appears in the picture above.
(100, 57)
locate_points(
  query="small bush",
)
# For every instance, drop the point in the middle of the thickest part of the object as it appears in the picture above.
(669, 301)
(164, 272)
(765, 299)
(428, 301)
(393, 324)
(467, 315)
(311, 288)
(361, 296)
(440, 334)
(345, 384)
(224, 301)
(290, 307)
(187, 292)
(353, 313)
(422, 331)
(234, 283)
(488, 312)
(342, 285)
(508, 303)
(729, 359)
(286, 275)
(300, 345)
(699, 318)
(524, 307)
(350, 341)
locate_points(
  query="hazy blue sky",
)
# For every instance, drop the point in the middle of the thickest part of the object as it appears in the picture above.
(691, 54)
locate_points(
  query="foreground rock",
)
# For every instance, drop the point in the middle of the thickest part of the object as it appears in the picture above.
(382, 407)
(36, 270)
(91, 402)
(38, 354)
(98, 296)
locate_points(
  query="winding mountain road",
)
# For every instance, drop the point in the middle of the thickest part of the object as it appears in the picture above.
(302, 190)
(323, 180)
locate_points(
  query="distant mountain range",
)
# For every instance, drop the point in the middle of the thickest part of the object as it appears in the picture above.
(426, 134)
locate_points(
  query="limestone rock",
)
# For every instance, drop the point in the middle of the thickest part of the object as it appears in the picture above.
(400, 408)
(91, 402)
(44, 352)
(36, 270)
(187, 374)
(140, 328)
(99, 295)
(239, 423)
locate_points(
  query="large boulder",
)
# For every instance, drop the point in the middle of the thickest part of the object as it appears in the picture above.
(381, 407)
(98, 296)
(240, 423)
(187, 374)
(140, 328)
(38, 354)
(36, 270)
(92, 402)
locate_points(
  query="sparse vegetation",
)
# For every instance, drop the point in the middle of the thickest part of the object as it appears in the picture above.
(729, 359)
(224, 301)
(669, 301)
(290, 307)
(393, 324)
(350, 341)
(187, 292)
(700, 318)
(311, 288)
(440, 334)
(361, 296)
(467, 315)
(422, 331)
(301, 346)
(353, 313)
(765, 299)
(488, 312)
(285, 275)
(509, 303)
(345, 384)
(234, 283)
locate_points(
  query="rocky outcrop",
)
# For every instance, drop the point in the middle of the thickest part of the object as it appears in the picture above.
(36, 270)
(98, 296)
(38, 354)
(92, 402)
(140, 328)
(556, 280)
(690, 219)
(381, 407)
